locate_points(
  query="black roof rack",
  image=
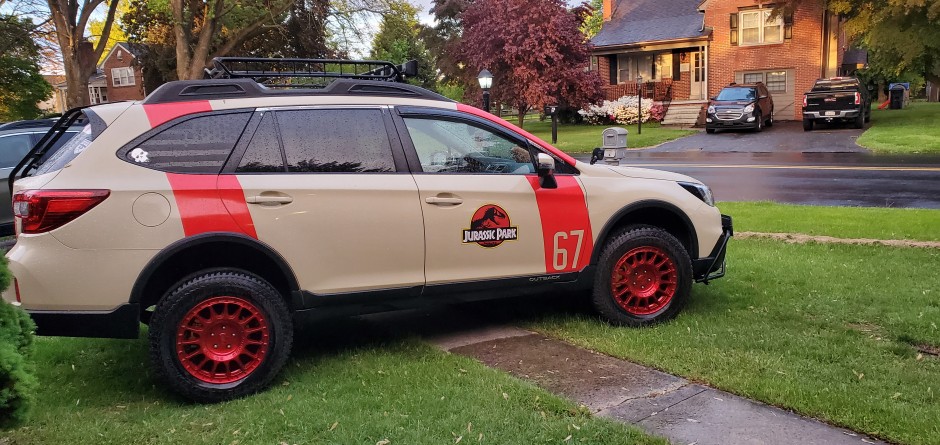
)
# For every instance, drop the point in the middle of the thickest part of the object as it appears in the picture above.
(307, 73)
(245, 77)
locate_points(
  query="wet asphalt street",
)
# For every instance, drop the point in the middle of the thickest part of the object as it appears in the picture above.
(784, 164)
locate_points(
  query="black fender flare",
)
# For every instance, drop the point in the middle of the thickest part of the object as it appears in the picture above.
(178, 246)
(617, 217)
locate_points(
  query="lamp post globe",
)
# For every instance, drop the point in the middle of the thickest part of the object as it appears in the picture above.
(486, 82)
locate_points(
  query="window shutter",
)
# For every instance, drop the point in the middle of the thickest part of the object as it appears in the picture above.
(734, 28)
(676, 69)
(788, 25)
(613, 69)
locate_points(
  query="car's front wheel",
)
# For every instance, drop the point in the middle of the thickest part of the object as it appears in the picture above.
(220, 335)
(760, 123)
(710, 130)
(644, 277)
(770, 119)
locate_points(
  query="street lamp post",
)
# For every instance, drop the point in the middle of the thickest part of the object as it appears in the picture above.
(639, 104)
(486, 81)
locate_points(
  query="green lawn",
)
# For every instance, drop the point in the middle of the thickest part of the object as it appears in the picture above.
(842, 222)
(830, 331)
(915, 129)
(353, 391)
(583, 138)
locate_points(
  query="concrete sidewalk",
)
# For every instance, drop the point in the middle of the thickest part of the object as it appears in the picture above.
(659, 403)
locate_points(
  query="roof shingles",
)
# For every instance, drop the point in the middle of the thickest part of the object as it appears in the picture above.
(637, 21)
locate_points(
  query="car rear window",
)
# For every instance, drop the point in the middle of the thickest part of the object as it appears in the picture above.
(67, 152)
(835, 85)
(737, 94)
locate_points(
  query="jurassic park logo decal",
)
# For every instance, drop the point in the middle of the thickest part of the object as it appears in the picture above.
(489, 227)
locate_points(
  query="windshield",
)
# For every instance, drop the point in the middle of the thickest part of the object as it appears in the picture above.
(738, 94)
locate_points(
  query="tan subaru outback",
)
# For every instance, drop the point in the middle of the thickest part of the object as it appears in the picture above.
(216, 211)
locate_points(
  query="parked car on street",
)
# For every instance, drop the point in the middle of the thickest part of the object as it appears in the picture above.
(217, 211)
(16, 139)
(737, 106)
(838, 99)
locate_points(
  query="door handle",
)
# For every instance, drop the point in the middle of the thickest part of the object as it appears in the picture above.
(438, 200)
(270, 199)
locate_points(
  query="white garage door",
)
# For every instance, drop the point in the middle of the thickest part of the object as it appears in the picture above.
(780, 85)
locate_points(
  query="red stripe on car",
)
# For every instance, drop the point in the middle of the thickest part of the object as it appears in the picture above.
(545, 145)
(158, 114)
(199, 199)
(566, 226)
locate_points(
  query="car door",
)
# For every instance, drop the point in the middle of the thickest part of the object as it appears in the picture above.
(485, 215)
(326, 189)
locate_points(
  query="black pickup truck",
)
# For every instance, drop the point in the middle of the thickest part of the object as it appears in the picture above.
(838, 99)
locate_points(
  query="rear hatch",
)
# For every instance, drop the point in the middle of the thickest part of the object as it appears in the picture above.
(833, 100)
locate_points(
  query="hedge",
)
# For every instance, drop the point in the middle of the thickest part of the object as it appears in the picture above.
(18, 382)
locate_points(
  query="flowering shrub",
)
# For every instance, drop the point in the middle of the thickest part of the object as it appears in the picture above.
(622, 111)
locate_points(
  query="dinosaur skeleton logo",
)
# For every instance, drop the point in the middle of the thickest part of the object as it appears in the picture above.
(489, 227)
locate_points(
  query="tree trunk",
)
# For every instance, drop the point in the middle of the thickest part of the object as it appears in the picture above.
(933, 94)
(79, 66)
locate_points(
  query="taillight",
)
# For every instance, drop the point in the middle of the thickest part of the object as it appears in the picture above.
(804, 101)
(858, 98)
(44, 210)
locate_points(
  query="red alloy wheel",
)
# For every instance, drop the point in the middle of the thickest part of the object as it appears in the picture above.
(222, 340)
(644, 280)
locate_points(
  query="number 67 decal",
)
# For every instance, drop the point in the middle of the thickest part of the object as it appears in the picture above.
(560, 254)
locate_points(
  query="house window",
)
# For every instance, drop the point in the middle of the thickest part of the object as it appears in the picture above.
(631, 65)
(663, 66)
(122, 76)
(757, 27)
(98, 95)
(777, 81)
(753, 77)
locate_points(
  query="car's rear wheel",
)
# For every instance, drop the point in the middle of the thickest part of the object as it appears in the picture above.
(868, 116)
(643, 277)
(860, 120)
(807, 125)
(220, 335)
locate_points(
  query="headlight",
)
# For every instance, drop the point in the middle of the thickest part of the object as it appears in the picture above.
(701, 191)
(749, 109)
(711, 109)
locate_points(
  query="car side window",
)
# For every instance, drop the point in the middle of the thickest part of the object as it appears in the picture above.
(13, 148)
(263, 154)
(198, 145)
(446, 146)
(335, 141)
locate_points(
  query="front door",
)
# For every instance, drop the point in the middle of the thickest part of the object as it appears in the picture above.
(318, 203)
(698, 75)
(485, 215)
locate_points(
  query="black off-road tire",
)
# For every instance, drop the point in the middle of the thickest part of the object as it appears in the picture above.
(807, 125)
(639, 242)
(238, 294)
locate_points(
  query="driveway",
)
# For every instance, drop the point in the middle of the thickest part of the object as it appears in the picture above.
(783, 137)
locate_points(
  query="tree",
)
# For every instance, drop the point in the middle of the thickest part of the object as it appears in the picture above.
(79, 56)
(96, 26)
(400, 39)
(595, 18)
(901, 36)
(535, 50)
(22, 87)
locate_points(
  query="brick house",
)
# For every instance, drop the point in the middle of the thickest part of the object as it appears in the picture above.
(686, 50)
(125, 80)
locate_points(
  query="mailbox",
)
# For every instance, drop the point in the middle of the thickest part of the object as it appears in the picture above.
(614, 143)
(550, 110)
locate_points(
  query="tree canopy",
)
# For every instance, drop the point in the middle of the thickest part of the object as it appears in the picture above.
(400, 38)
(22, 87)
(535, 50)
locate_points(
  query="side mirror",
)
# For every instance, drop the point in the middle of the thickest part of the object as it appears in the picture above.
(713, 98)
(546, 171)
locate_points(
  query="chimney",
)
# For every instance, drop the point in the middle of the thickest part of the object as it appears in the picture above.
(608, 9)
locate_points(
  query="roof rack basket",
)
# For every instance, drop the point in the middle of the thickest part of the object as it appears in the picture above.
(307, 73)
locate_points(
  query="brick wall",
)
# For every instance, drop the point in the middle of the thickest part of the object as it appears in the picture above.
(124, 92)
(802, 53)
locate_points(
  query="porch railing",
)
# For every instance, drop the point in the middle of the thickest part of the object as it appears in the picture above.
(658, 91)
